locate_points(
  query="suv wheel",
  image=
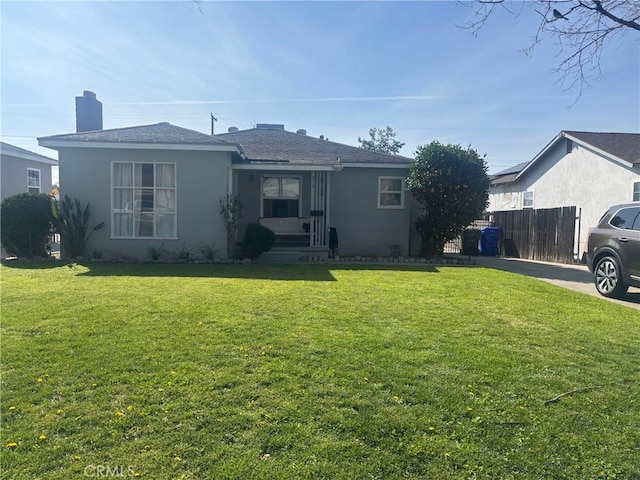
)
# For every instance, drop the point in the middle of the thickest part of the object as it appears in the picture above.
(608, 278)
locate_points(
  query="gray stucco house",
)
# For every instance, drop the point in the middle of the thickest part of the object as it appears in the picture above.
(161, 184)
(23, 171)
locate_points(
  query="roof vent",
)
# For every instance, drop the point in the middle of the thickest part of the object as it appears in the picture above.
(269, 126)
(232, 129)
(301, 131)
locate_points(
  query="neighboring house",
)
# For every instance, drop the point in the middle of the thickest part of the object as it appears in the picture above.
(23, 171)
(161, 184)
(588, 170)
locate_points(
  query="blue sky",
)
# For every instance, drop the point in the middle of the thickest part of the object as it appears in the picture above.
(333, 68)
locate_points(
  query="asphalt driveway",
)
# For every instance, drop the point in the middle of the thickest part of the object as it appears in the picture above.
(573, 277)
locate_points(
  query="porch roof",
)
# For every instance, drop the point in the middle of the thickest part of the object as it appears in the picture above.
(263, 146)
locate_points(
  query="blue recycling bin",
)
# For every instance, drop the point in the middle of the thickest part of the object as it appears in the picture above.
(489, 241)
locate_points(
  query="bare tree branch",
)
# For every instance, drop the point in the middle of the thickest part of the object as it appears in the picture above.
(581, 28)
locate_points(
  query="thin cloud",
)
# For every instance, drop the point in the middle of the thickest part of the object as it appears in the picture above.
(293, 100)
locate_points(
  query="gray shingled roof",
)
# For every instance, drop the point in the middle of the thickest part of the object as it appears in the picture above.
(625, 146)
(162, 133)
(278, 145)
(8, 149)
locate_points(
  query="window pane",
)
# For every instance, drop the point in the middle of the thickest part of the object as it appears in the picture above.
(280, 208)
(123, 199)
(165, 225)
(34, 190)
(390, 199)
(122, 174)
(165, 200)
(33, 179)
(144, 174)
(527, 200)
(144, 225)
(165, 175)
(144, 200)
(624, 218)
(636, 191)
(290, 187)
(271, 187)
(123, 225)
(391, 184)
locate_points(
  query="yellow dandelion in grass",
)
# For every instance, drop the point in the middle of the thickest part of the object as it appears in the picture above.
(119, 414)
(42, 437)
(40, 380)
(447, 454)
(12, 445)
(12, 408)
(60, 411)
(76, 457)
(129, 408)
(177, 459)
(469, 409)
(431, 429)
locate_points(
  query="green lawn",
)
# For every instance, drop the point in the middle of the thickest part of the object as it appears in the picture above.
(240, 371)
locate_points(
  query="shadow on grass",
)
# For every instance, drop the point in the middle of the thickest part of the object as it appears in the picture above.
(289, 272)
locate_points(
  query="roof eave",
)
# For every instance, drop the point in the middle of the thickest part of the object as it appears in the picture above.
(625, 163)
(57, 143)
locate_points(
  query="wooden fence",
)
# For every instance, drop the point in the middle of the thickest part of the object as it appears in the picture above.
(545, 234)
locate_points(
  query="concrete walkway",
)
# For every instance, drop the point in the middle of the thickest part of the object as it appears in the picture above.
(573, 277)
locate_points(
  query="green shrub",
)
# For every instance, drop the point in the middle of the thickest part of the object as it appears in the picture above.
(72, 222)
(257, 240)
(26, 224)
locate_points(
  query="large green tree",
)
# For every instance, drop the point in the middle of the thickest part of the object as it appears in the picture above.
(383, 141)
(451, 185)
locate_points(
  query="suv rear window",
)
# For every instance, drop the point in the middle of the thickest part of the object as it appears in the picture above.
(626, 219)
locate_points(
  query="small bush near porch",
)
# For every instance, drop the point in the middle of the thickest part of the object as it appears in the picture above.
(288, 372)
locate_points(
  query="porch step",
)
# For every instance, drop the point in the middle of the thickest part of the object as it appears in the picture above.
(292, 240)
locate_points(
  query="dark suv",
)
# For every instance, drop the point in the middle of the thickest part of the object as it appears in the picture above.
(613, 250)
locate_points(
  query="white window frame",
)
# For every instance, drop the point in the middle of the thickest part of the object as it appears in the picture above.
(400, 192)
(155, 188)
(524, 199)
(39, 186)
(635, 191)
(262, 197)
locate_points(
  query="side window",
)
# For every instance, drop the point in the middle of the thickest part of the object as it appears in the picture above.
(33, 180)
(626, 219)
(527, 200)
(391, 192)
(636, 191)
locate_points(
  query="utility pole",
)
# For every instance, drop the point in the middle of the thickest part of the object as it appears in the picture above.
(213, 119)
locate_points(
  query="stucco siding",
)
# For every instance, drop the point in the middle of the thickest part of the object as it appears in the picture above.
(201, 178)
(363, 228)
(13, 171)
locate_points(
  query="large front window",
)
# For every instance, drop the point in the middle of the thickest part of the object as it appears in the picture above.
(280, 197)
(144, 200)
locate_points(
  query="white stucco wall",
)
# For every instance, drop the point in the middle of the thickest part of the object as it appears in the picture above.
(582, 178)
